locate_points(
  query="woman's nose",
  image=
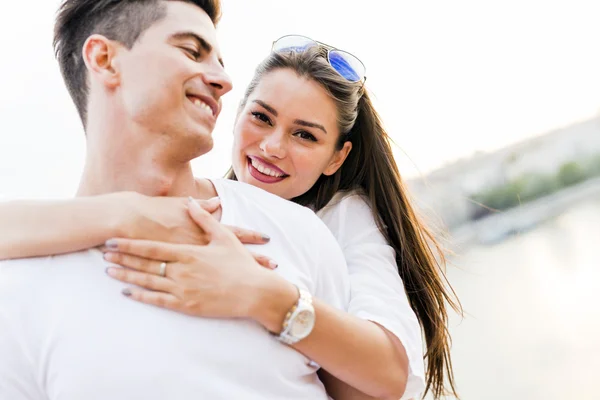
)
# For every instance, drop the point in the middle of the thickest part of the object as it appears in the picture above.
(273, 145)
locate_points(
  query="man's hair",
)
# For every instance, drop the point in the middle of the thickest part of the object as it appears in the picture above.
(120, 20)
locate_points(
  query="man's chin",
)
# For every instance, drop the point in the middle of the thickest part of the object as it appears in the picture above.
(192, 145)
(208, 145)
(203, 144)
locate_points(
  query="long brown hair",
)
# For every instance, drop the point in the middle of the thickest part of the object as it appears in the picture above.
(371, 169)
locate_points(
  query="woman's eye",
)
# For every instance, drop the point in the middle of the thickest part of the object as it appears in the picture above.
(306, 136)
(261, 116)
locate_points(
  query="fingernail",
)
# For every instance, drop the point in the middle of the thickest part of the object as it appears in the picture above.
(126, 292)
(214, 201)
(273, 264)
(111, 244)
(266, 238)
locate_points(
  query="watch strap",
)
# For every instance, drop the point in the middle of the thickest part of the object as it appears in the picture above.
(304, 298)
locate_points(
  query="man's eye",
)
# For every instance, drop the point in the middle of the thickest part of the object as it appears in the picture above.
(262, 117)
(193, 53)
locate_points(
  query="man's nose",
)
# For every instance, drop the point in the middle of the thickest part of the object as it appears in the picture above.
(218, 80)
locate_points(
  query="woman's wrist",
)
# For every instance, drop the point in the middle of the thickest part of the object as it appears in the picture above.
(271, 299)
(121, 212)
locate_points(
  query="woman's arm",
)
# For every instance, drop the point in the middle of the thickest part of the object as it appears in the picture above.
(37, 228)
(376, 346)
(362, 360)
(340, 390)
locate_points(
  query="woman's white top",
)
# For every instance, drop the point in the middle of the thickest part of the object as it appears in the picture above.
(376, 290)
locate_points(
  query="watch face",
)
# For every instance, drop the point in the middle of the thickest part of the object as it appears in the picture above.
(303, 324)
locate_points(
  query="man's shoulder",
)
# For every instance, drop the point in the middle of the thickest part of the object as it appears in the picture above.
(30, 287)
(60, 259)
(260, 198)
(298, 222)
(30, 272)
(21, 266)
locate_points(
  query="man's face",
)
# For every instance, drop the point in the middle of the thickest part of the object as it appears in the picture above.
(172, 80)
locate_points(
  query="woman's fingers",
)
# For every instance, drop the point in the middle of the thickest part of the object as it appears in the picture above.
(142, 279)
(204, 220)
(247, 236)
(134, 262)
(200, 214)
(264, 261)
(159, 251)
(211, 205)
(162, 300)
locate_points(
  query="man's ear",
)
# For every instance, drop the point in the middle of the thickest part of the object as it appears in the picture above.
(338, 159)
(100, 58)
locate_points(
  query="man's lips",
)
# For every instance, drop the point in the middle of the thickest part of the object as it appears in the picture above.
(202, 100)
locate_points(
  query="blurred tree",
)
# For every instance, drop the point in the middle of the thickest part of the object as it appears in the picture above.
(533, 186)
(570, 173)
(594, 165)
(538, 185)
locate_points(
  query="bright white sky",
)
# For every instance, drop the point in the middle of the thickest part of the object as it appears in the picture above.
(450, 77)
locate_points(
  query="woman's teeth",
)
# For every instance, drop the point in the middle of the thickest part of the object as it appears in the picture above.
(264, 170)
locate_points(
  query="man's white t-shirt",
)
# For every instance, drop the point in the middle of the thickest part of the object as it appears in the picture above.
(66, 332)
(377, 291)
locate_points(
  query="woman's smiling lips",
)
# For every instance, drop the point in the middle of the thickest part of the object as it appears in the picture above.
(263, 171)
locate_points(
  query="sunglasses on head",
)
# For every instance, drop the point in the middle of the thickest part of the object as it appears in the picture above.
(346, 64)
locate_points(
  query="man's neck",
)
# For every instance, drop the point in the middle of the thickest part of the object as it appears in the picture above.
(143, 174)
(121, 158)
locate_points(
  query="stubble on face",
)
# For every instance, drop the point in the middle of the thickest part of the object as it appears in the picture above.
(157, 74)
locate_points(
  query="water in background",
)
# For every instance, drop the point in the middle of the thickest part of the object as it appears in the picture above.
(532, 302)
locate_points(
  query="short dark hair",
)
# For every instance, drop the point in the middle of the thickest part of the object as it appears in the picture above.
(120, 20)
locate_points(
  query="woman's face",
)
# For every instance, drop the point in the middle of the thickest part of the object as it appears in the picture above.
(285, 137)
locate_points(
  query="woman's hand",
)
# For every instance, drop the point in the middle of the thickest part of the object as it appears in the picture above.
(166, 219)
(221, 279)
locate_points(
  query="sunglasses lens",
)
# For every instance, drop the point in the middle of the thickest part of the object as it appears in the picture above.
(293, 43)
(347, 65)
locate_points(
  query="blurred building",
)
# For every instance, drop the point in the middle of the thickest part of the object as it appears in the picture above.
(446, 193)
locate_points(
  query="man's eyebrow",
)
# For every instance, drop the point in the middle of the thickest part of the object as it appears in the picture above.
(266, 106)
(207, 47)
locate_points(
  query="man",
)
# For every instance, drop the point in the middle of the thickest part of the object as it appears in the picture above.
(147, 79)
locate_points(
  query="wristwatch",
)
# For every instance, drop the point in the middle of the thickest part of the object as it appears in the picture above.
(300, 320)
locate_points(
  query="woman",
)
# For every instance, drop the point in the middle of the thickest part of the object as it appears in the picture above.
(307, 131)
